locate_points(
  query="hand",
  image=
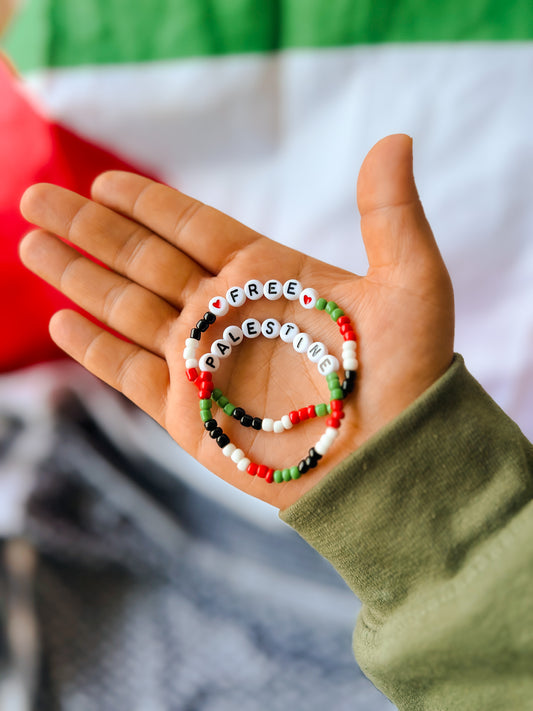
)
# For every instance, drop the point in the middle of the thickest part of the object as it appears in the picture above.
(168, 255)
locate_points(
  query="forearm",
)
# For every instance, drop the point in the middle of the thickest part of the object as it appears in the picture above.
(430, 524)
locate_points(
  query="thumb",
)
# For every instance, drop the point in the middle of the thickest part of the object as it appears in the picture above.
(394, 228)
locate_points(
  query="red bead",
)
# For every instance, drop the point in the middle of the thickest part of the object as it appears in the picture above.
(294, 417)
(206, 375)
(262, 470)
(336, 404)
(346, 327)
(252, 469)
(311, 411)
(208, 386)
(349, 336)
(269, 476)
(343, 319)
(192, 374)
(337, 414)
(204, 394)
(333, 422)
(303, 414)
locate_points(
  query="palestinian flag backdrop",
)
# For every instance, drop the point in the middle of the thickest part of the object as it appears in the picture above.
(266, 108)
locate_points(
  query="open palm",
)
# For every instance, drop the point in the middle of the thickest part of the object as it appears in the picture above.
(167, 255)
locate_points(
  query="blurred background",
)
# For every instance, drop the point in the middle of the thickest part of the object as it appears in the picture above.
(131, 577)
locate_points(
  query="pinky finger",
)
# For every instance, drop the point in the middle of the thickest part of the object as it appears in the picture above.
(140, 375)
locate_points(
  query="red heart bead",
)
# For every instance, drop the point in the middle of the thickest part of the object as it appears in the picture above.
(216, 304)
(307, 299)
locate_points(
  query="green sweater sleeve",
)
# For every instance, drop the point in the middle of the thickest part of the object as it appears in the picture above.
(431, 525)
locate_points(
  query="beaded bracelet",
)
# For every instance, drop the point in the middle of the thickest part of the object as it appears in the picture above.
(302, 342)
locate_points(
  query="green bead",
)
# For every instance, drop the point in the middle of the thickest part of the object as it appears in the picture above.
(278, 476)
(337, 394)
(295, 473)
(321, 409)
(331, 306)
(286, 474)
(332, 378)
(328, 407)
(228, 409)
(206, 415)
(216, 394)
(320, 304)
(206, 404)
(222, 401)
(336, 313)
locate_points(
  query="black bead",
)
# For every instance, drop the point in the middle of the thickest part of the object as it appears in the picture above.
(202, 325)
(257, 423)
(347, 387)
(223, 440)
(196, 334)
(210, 425)
(246, 420)
(350, 374)
(239, 412)
(216, 432)
(313, 453)
(210, 317)
(303, 467)
(311, 462)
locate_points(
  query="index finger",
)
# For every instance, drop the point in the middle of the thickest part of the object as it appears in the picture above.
(205, 234)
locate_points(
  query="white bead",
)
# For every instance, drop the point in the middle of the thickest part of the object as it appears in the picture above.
(316, 351)
(292, 289)
(243, 464)
(308, 298)
(251, 327)
(331, 432)
(235, 296)
(209, 361)
(278, 427)
(288, 332)
(191, 343)
(189, 353)
(228, 450)
(273, 289)
(301, 343)
(350, 364)
(221, 348)
(349, 346)
(253, 289)
(191, 363)
(237, 455)
(233, 335)
(328, 364)
(321, 447)
(286, 422)
(218, 306)
(270, 328)
(268, 424)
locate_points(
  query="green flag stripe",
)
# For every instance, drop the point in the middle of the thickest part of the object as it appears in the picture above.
(75, 32)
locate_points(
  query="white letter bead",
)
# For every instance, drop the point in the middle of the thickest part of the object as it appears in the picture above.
(292, 289)
(278, 427)
(251, 327)
(221, 348)
(228, 450)
(253, 289)
(243, 464)
(286, 422)
(350, 364)
(191, 343)
(237, 455)
(189, 352)
(191, 363)
(349, 346)
(235, 296)
(218, 306)
(316, 351)
(233, 335)
(209, 361)
(270, 328)
(308, 298)
(268, 424)
(273, 289)
(301, 343)
(288, 332)
(328, 364)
